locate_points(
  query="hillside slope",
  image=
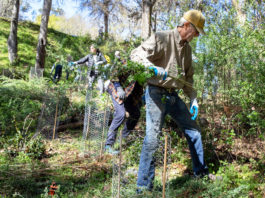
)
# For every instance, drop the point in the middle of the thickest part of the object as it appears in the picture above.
(59, 44)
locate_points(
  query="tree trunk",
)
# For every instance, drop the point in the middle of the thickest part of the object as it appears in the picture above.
(12, 39)
(106, 16)
(146, 18)
(106, 24)
(41, 51)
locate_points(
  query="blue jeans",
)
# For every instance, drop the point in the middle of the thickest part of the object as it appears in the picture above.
(160, 102)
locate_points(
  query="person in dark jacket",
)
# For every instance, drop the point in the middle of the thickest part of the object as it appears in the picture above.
(58, 70)
(125, 99)
(94, 61)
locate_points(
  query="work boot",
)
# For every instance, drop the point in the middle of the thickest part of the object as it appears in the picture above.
(110, 150)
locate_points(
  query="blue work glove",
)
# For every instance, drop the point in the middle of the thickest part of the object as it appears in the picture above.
(75, 64)
(159, 71)
(120, 93)
(194, 108)
(71, 65)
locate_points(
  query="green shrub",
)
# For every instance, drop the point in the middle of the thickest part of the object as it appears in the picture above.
(238, 180)
(20, 104)
(35, 148)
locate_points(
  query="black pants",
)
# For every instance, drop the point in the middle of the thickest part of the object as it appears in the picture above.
(134, 114)
(58, 72)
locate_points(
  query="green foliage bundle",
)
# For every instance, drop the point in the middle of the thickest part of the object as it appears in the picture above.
(134, 72)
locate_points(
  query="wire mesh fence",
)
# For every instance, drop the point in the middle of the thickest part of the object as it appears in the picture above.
(96, 120)
(49, 117)
(125, 175)
(82, 77)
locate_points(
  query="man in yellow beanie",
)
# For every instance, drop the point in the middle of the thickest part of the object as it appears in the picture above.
(169, 54)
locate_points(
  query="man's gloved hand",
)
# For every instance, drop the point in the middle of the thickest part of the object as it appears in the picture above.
(194, 108)
(159, 71)
(120, 93)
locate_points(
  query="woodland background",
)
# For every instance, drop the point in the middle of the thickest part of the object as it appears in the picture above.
(229, 65)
